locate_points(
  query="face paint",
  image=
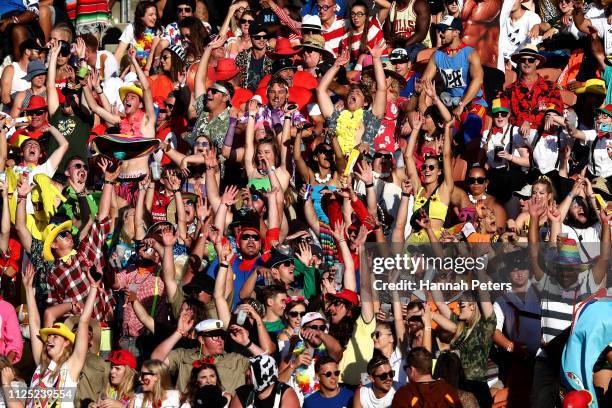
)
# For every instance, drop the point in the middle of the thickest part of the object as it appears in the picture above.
(605, 127)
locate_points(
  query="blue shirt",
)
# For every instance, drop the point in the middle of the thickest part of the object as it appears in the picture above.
(455, 72)
(8, 6)
(342, 400)
(240, 276)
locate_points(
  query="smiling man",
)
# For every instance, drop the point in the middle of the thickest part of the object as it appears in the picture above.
(331, 394)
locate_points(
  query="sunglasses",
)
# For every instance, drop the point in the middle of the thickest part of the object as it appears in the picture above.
(213, 91)
(475, 180)
(246, 237)
(80, 166)
(501, 114)
(145, 373)
(376, 335)
(385, 376)
(184, 9)
(165, 57)
(337, 303)
(430, 167)
(322, 327)
(287, 264)
(330, 373)
(528, 60)
(295, 314)
(64, 234)
(245, 21)
(163, 111)
(259, 37)
(358, 14)
(39, 112)
(170, 106)
(202, 144)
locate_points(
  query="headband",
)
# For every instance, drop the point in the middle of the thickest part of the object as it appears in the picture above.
(220, 88)
(296, 299)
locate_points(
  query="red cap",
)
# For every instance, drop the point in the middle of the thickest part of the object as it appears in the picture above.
(122, 357)
(346, 295)
(36, 102)
(577, 399)
(160, 102)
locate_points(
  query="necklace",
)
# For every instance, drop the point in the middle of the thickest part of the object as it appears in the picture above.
(324, 180)
(263, 172)
(474, 200)
(428, 138)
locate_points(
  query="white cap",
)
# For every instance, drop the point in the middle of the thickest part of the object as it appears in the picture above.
(311, 22)
(311, 317)
(257, 98)
(209, 325)
(524, 192)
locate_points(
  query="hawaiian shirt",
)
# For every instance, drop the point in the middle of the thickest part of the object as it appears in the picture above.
(243, 61)
(215, 128)
(68, 280)
(172, 34)
(42, 268)
(473, 347)
(531, 105)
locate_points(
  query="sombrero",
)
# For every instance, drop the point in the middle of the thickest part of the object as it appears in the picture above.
(130, 88)
(49, 235)
(96, 330)
(171, 211)
(124, 147)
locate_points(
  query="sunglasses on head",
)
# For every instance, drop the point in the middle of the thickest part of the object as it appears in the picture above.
(475, 180)
(246, 237)
(330, 373)
(501, 114)
(528, 60)
(295, 314)
(322, 327)
(430, 167)
(38, 112)
(259, 37)
(246, 21)
(385, 376)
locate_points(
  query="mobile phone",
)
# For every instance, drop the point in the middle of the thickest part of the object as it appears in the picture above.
(95, 274)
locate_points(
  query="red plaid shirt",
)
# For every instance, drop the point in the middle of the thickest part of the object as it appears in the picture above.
(530, 104)
(68, 280)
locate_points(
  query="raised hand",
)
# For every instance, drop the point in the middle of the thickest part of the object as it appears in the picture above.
(168, 238)
(305, 253)
(343, 59)
(338, 231)
(27, 276)
(80, 47)
(378, 49)
(229, 196)
(429, 88)
(23, 187)
(407, 186)
(253, 106)
(537, 207)
(364, 172)
(417, 120)
(185, 321)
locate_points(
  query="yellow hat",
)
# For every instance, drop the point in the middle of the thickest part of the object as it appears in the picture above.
(49, 235)
(131, 88)
(58, 328)
(594, 85)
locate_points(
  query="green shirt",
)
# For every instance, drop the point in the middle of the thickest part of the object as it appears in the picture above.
(308, 275)
(274, 327)
(76, 129)
(474, 346)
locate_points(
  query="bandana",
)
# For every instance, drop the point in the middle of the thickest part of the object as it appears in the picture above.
(264, 371)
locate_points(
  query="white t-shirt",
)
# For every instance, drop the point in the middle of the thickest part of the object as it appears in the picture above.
(172, 400)
(488, 144)
(603, 31)
(128, 35)
(600, 163)
(546, 151)
(111, 67)
(514, 34)
(369, 400)
(588, 237)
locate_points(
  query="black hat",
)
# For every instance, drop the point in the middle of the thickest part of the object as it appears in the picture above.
(279, 256)
(29, 44)
(515, 260)
(209, 396)
(201, 282)
(257, 28)
(282, 64)
(245, 217)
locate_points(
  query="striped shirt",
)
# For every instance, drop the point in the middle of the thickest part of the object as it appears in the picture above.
(558, 303)
(375, 34)
(335, 34)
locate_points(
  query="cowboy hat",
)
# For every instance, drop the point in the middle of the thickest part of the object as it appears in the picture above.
(96, 331)
(124, 147)
(593, 86)
(58, 328)
(226, 69)
(283, 49)
(49, 234)
(36, 103)
(317, 42)
(130, 88)
(528, 50)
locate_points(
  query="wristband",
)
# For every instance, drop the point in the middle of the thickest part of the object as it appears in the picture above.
(81, 194)
(370, 185)
(223, 265)
(287, 117)
(405, 194)
(250, 343)
(112, 183)
(21, 196)
(178, 190)
(252, 115)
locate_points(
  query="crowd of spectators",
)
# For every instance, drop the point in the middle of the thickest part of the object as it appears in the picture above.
(190, 209)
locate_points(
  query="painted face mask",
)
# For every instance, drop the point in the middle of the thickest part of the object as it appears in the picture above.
(605, 127)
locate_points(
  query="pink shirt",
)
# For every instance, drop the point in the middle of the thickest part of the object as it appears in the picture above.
(10, 332)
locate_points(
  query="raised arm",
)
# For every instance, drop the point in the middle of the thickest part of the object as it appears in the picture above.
(202, 72)
(212, 185)
(300, 164)
(108, 189)
(81, 343)
(105, 115)
(23, 233)
(537, 209)
(423, 19)
(413, 174)
(33, 314)
(52, 97)
(56, 157)
(147, 95)
(168, 268)
(225, 259)
(249, 148)
(184, 326)
(349, 277)
(447, 158)
(325, 103)
(5, 221)
(379, 104)
(228, 17)
(399, 234)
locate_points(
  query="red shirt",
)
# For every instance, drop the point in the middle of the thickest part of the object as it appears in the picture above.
(160, 206)
(530, 104)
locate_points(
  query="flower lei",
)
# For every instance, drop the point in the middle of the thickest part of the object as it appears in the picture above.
(474, 200)
(346, 128)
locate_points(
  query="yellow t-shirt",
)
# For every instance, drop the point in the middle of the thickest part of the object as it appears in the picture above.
(359, 351)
